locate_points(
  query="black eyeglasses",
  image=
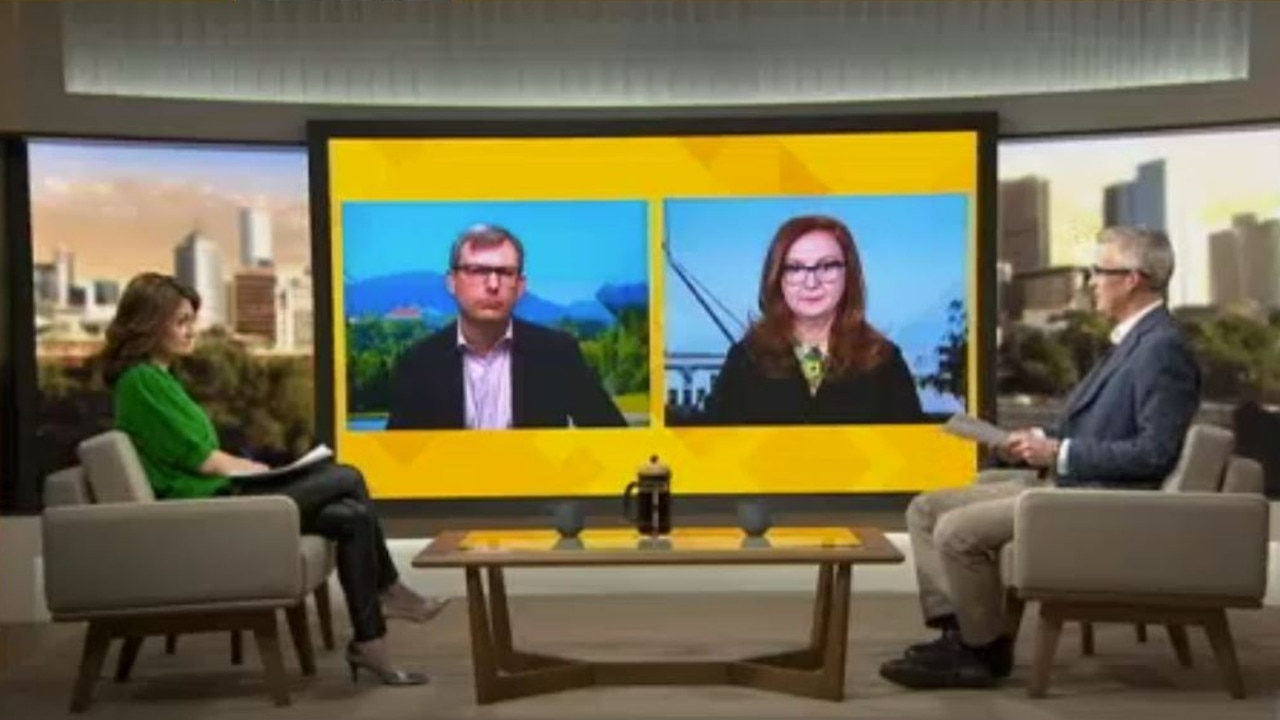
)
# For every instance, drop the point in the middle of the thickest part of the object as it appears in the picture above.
(1099, 270)
(477, 272)
(827, 272)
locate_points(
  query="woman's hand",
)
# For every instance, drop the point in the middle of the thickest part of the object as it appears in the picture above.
(226, 464)
(245, 466)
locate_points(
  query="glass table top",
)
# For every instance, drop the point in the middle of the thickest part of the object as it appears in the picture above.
(727, 538)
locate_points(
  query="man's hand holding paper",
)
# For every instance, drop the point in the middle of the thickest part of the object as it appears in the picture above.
(1032, 447)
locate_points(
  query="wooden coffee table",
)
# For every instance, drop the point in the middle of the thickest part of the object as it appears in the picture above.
(503, 672)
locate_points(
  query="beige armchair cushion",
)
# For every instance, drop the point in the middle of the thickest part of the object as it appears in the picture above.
(138, 557)
(317, 561)
(1141, 542)
(1200, 469)
(1006, 564)
(1203, 458)
(115, 473)
(994, 475)
(67, 487)
(1244, 475)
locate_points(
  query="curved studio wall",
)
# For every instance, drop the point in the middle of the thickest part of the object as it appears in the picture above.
(140, 69)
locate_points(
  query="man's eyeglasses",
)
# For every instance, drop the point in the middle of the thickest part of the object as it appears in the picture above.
(827, 272)
(478, 273)
(1099, 270)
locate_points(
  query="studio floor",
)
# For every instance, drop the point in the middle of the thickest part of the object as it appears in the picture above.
(1124, 680)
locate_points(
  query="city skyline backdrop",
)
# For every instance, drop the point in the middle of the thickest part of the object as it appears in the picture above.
(121, 207)
(232, 222)
(1056, 194)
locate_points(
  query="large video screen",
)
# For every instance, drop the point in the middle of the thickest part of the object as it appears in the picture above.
(778, 310)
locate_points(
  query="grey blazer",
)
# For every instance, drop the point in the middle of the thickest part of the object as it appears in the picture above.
(1128, 417)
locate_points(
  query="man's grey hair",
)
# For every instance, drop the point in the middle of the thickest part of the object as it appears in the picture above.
(1145, 250)
(485, 235)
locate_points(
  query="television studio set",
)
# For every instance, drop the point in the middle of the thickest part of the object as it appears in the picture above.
(640, 358)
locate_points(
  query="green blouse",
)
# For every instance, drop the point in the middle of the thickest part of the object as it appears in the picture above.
(173, 435)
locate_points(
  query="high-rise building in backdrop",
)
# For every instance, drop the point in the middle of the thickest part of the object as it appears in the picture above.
(294, 313)
(1140, 201)
(44, 280)
(255, 238)
(1225, 286)
(198, 263)
(1024, 224)
(254, 303)
(106, 292)
(1244, 262)
(65, 272)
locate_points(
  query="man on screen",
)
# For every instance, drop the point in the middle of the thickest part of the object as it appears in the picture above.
(488, 370)
(1122, 427)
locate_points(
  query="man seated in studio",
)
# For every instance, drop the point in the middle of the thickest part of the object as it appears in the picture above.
(1122, 426)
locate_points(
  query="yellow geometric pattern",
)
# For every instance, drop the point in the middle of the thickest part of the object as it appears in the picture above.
(680, 538)
(582, 462)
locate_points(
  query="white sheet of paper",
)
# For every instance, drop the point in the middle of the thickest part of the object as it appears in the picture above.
(316, 454)
(976, 429)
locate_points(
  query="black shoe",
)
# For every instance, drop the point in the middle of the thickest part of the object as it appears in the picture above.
(958, 668)
(944, 643)
(998, 655)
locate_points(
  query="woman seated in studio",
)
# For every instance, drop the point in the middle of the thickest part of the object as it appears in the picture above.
(812, 357)
(178, 447)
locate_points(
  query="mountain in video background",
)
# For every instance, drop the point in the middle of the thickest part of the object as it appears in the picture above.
(426, 293)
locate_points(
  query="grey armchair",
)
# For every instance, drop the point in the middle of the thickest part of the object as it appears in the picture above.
(1179, 557)
(132, 567)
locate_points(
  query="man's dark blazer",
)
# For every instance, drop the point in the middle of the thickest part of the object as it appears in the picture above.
(551, 383)
(1127, 419)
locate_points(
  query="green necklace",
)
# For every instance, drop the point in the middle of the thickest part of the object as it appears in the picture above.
(813, 365)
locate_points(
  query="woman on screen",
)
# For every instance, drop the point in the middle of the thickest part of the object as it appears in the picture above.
(178, 446)
(812, 357)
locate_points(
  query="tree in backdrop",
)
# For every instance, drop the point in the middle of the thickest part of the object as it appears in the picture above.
(951, 369)
(620, 354)
(1086, 336)
(1238, 353)
(1033, 362)
(261, 406)
(374, 345)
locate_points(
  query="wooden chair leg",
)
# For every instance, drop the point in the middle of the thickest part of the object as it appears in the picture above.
(96, 642)
(1224, 651)
(1141, 630)
(1181, 648)
(1048, 631)
(1086, 638)
(268, 640)
(237, 648)
(170, 644)
(324, 611)
(128, 654)
(297, 619)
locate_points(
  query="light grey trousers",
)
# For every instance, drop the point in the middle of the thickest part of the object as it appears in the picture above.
(956, 536)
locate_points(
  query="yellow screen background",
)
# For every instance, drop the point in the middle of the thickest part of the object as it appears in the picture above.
(582, 462)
